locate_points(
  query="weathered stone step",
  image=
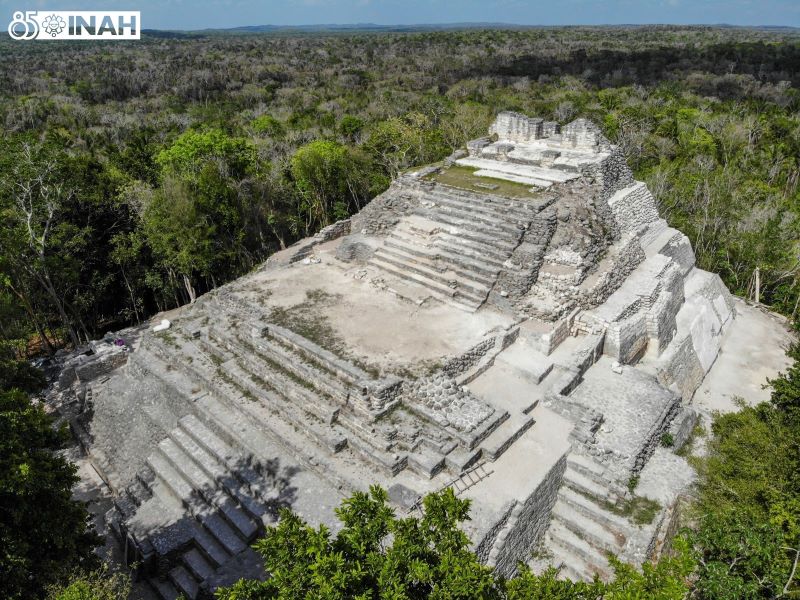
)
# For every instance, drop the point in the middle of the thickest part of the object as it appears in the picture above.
(483, 257)
(250, 372)
(585, 465)
(501, 220)
(591, 469)
(480, 250)
(589, 558)
(223, 533)
(234, 479)
(472, 220)
(498, 210)
(513, 169)
(485, 269)
(438, 263)
(583, 485)
(571, 569)
(463, 284)
(236, 462)
(455, 243)
(427, 464)
(164, 589)
(184, 582)
(300, 372)
(138, 491)
(198, 565)
(437, 289)
(214, 553)
(184, 492)
(251, 434)
(295, 407)
(501, 237)
(170, 478)
(592, 510)
(593, 532)
(506, 434)
(485, 201)
(347, 372)
(499, 244)
(206, 487)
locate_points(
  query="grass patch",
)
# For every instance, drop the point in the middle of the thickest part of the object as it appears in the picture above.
(640, 510)
(239, 387)
(687, 449)
(169, 338)
(465, 178)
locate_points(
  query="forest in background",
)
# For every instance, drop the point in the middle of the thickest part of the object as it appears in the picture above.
(135, 176)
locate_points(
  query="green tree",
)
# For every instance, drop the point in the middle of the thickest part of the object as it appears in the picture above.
(427, 557)
(180, 235)
(748, 534)
(189, 153)
(330, 179)
(378, 555)
(44, 534)
(96, 585)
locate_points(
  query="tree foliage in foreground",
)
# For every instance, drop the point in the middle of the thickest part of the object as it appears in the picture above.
(748, 529)
(379, 555)
(95, 585)
(44, 534)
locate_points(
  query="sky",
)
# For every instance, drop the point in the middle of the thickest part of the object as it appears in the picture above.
(185, 14)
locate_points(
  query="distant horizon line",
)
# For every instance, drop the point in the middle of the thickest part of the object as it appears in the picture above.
(456, 24)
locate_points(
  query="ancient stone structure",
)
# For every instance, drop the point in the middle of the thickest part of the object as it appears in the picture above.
(518, 323)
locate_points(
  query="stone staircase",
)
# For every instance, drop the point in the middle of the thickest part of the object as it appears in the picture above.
(226, 503)
(304, 395)
(455, 244)
(583, 529)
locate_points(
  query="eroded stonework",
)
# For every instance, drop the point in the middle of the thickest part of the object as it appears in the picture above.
(518, 323)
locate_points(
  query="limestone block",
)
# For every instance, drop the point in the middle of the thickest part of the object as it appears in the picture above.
(633, 207)
(626, 340)
(355, 248)
(679, 367)
(680, 249)
(516, 127)
(698, 317)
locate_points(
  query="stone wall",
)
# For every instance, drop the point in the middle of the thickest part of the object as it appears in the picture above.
(661, 324)
(334, 231)
(527, 523)
(459, 364)
(516, 127)
(484, 548)
(633, 207)
(384, 212)
(522, 269)
(443, 401)
(356, 248)
(553, 339)
(584, 134)
(612, 174)
(629, 255)
(100, 364)
(680, 368)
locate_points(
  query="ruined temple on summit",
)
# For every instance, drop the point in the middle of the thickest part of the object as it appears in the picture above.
(517, 323)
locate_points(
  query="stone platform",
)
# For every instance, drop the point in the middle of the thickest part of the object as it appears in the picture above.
(517, 323)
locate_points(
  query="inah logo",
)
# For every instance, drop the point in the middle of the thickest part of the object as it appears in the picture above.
(76, 25)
